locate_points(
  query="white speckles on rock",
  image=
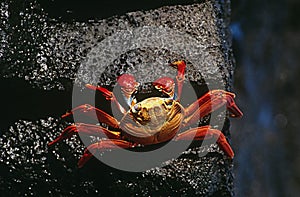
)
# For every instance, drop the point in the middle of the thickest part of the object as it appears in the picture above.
(55, 50)
(44, 52)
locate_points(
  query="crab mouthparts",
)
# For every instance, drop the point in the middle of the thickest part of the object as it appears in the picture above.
(152, 118)
(156, 122)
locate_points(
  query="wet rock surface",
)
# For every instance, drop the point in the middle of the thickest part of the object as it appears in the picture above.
(29, 167)
(49, 55)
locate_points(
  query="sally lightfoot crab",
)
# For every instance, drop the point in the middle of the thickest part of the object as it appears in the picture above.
(153, 120)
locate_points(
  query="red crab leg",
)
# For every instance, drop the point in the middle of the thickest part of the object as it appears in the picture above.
(101, 146)
(87, 129)
(180, 76)
(205, 132)
(108, 95)
(94, 113)
(210, 102)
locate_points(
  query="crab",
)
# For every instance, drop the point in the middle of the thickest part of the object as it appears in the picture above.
(153, 120)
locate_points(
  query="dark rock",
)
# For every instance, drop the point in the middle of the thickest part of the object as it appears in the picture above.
(48, 53)
(53, 55)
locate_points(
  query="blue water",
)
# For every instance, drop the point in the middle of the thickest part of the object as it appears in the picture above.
(267, 73)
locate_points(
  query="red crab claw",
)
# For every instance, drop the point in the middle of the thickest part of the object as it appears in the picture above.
(180, 75)
(101, 146)
(205, 132)
(95, 114)
(128, 84)
(106, 93)
(166, 85)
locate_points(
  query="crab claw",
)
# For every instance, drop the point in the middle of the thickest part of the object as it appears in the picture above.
(127, 83)
(128, 86)
(166, 85)
(101, 146)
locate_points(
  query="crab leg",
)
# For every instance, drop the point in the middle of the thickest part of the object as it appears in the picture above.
(94, 113)
(180, 76)
(205, 132)
(108, 95)
(101, 146)
(87, 129)
(210, 102)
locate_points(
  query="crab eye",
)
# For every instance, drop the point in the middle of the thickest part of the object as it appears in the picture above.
(136, 108)
(169, 102)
